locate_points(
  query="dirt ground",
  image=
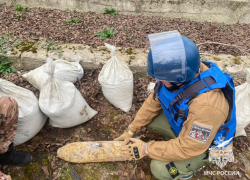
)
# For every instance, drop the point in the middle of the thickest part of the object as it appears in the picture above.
(131, 31)
(110, 122)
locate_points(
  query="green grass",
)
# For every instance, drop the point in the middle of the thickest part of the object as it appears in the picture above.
(130, 37)
(6, 44)
(20, 8)
(5, 67)
(223, 27)
(106, 33)
(17, 16)
(65, 173)
(72, 21)
(110, 11)
(51, 46)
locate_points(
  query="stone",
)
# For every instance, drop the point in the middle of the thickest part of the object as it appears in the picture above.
(14, 56)
(30, 60)
(136, 59)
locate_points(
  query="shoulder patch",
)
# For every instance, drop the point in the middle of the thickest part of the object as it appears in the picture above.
(199, 133)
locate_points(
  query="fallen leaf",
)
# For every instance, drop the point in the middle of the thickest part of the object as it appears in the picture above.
(46, 171)
(143, 175)
(132, 175)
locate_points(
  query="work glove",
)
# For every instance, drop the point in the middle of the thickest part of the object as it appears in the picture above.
(127, 134)
(136, 150)
(4, 176)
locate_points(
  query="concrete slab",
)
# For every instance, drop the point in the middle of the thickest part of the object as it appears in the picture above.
(136, 59)
(14, 56)
(30, 60)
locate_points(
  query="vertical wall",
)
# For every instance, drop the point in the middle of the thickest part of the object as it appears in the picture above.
(227, 11)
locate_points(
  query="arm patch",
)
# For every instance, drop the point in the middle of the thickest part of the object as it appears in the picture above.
(199, 133)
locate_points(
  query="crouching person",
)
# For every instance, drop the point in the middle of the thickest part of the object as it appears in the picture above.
(8, 125)
(192, 107)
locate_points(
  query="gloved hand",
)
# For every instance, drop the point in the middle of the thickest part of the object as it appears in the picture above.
(4, 176)
(127, 134)
(136, 150)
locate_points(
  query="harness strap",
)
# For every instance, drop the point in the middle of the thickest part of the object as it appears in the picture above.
(157, 89)
(192, 97)
(209, 81)
(190, 91)
(179, 113)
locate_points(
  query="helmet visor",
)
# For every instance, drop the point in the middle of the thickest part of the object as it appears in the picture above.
(169, 57)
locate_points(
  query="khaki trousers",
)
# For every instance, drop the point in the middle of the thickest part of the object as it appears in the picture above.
(165, 170)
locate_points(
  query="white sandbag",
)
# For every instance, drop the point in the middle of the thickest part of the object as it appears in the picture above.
(151, 87)
(116, 80)
(30, 119)
(62, 102)
(64, 70)
(242, 100)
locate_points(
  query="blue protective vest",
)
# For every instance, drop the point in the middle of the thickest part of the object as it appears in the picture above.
(175, 104)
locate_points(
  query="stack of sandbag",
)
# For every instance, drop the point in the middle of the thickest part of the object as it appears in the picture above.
(62, 102)
(116, 80)
(30, 119)
(64, 70)
(242, 101)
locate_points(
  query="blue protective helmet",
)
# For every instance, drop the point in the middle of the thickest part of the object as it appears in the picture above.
(167, 66)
